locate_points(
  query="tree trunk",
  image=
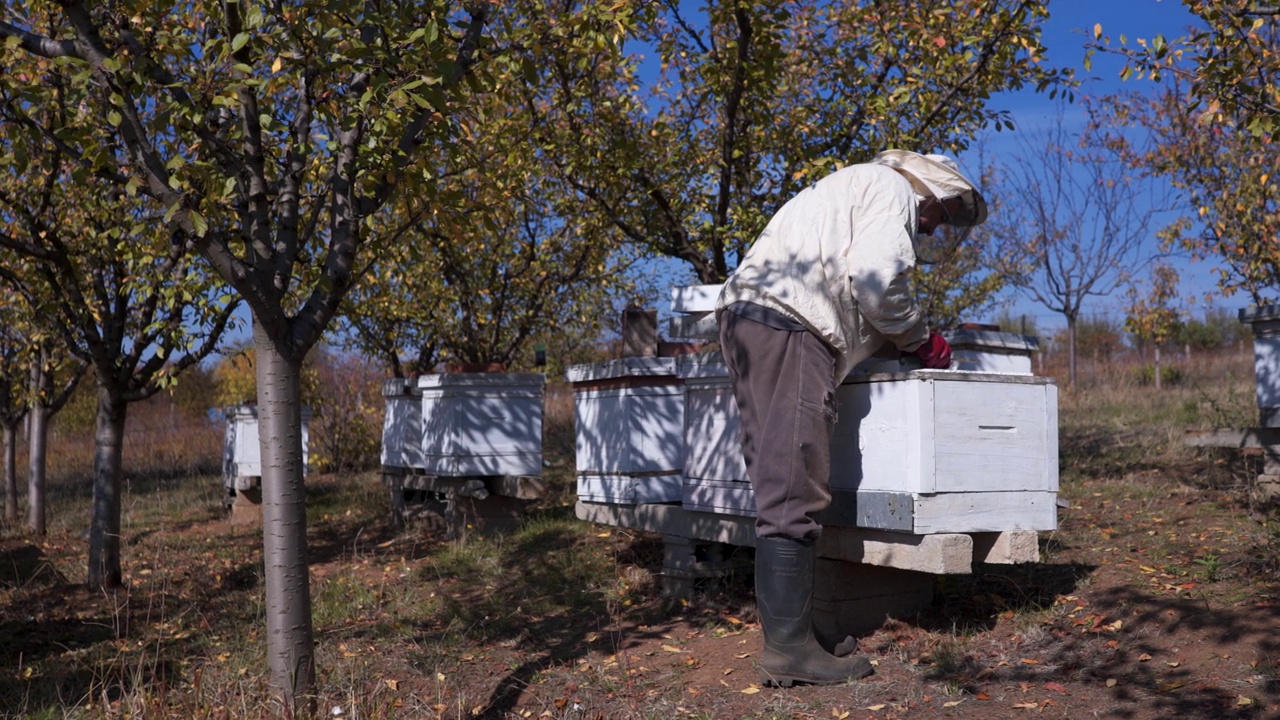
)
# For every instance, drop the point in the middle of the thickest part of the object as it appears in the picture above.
(37, 439)
(1156, 355)
(1071, 350)
(290, 644)
(104, 530)
(11, 475)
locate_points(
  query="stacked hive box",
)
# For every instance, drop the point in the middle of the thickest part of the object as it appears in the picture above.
(242, 461)
(629, 418)
(463, 450)
(481, 424)
(932, 471)
(402, 424)
(241, 451)
(920, 451)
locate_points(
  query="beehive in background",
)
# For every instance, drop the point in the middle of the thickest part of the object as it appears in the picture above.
(478, 424)
(629, 427)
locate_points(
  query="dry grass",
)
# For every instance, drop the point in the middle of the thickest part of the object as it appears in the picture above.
(409, 626)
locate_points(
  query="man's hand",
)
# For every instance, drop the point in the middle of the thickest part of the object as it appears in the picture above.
(935, 353)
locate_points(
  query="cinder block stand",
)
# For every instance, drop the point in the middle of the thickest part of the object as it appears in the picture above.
(457, 507)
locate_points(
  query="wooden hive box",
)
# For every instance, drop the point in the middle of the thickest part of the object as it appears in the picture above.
(924, 451)
(1265, 323)
(476, 424)
(402, 424)
(694, 312)
(629, 430)
(991, 351)
(715, 476)
(241, 451)
(939, 451)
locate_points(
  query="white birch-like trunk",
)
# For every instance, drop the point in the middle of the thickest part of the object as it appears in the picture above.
(11, 475)
(290, 643)
(1156, 355)
(37, 441)
(104, 529)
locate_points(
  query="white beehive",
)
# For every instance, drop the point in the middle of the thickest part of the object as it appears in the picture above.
(1265, 323)
(991, 351)
(241, 451)
(944, 451)
(715, 476)
(481, 424)
(402, 424)
(694, 307)
(924, 452)
(629, 419)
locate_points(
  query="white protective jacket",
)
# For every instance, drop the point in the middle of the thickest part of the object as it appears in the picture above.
(837, 258)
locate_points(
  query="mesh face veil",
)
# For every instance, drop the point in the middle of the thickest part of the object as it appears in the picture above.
(945, 241)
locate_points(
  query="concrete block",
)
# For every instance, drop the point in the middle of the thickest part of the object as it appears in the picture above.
(939, 554)
(1006, 548)
(1267, 488)
(851, 598)
(246, 507)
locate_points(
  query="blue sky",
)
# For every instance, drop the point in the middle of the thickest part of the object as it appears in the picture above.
(1069, 28)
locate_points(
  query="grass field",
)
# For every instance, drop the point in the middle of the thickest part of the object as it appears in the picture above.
(1158, 597)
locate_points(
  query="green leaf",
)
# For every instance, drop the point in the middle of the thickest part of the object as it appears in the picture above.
(239, 41)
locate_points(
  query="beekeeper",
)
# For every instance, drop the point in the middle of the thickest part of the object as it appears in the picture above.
(824, 287)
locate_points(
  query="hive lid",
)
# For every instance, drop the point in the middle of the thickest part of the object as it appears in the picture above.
(621, 367)
(495, 380)
(991, 340)
(1259, 313)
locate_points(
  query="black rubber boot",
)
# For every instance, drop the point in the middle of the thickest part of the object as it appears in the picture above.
(784, 596)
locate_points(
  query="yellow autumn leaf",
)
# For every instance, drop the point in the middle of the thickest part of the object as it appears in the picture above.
(751, 690)
(671, 648)
(275, 66)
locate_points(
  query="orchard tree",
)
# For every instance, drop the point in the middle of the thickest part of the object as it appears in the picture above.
(1228, 61)
(270, 135)
(1075, 221)
(1227, 180)
(722, 113)
(1151, 315)
(120, 295)
(501, 252)
(15, 362)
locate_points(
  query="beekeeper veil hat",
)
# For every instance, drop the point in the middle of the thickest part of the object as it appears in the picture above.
(939, 176)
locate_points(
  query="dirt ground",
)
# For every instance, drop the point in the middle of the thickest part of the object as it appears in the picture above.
(1158, 597)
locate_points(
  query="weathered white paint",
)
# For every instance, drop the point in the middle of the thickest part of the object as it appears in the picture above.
(241, 451)
(695, 298)
(629, 417)
(1265, 324)
(402, 424)
(991, 352)
(482, 423)
(628, 490)
(936, 431)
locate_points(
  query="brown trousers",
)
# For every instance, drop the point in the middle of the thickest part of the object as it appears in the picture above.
(784, 384)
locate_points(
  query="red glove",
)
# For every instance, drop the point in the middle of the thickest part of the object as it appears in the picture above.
(935, 353)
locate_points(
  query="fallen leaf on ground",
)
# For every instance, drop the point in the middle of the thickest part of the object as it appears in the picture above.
(1144, 657)
(751, 690)
(671, 648)
(1026, 705)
